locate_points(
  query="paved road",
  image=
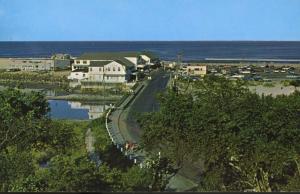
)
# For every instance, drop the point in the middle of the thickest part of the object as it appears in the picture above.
(146, 101)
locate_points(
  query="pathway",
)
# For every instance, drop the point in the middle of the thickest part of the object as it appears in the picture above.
(90, 148)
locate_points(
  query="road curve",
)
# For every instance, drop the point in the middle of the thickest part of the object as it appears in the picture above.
(145, 101)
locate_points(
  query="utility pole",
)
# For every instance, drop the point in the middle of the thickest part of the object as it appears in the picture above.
(103, 81)
(177, 66)
(179, 59)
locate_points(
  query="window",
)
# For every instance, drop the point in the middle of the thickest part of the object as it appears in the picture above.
(83, 75)
(119, 69)
(108, 69)
(114, 69)
(84, 62)
(99, 68)
(77, 62)
(91, 69)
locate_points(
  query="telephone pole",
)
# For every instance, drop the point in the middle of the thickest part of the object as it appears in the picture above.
(177, 66)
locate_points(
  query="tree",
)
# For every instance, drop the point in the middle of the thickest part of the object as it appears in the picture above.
(295, 83)
(28, 137)
(74, 174)
(246, 142)
(136, 179)
(22, 116)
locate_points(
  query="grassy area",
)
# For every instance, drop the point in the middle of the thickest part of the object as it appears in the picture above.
(285, 82)
(254, 83)
(101, 91)
(102, 138)
(103, 144)
(269, 85)
(56, 81)
(79, 130)
(107, 151)
(40, 77)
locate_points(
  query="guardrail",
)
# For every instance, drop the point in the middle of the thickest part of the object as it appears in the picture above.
(114, 134)
(106, 125)
(132, 96)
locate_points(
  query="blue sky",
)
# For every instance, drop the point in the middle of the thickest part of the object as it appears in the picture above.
(149, 20)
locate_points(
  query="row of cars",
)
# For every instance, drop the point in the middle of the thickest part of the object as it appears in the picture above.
(256, 72)
(247, 72)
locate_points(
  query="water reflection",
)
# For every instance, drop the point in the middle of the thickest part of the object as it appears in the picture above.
(63, 109)
(94, 110)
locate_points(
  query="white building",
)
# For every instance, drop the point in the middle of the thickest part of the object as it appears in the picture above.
(114, 67)
(34, 64)
(28, 64)
(110, 71)
(196, 70)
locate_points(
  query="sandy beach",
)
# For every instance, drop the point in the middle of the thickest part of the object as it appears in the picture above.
(277, 89)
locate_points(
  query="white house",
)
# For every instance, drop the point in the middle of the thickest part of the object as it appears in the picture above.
(118, 71)
(113, 67)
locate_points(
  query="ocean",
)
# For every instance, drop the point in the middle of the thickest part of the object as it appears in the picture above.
(166, 50)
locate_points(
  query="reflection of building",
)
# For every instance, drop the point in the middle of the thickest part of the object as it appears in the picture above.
(94, 110)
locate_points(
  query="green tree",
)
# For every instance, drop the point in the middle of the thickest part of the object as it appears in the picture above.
(295, 83)
(246, 142)
(136, 179)
(22, 117)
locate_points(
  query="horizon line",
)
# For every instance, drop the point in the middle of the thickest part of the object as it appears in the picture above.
(149, 40)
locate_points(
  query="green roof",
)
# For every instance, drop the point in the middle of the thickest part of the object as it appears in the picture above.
(121, 61)
(149, 54)
(125, 62)
(99, 63)
(113, 55)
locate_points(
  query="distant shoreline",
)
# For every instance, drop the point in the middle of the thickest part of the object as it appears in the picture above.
(166, 50)
(150, 41)
(237, 60)
(194, 60)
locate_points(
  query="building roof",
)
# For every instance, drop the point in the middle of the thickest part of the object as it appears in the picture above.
(99, 63)
(113, 55)
(196, 65)
(121, 61)
(125, 62)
